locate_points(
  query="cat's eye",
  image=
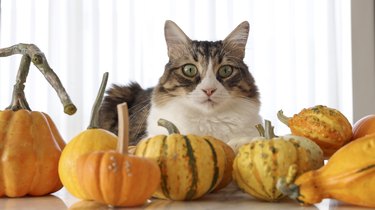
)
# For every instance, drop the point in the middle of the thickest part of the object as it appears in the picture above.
(190, 70)
(225, 71)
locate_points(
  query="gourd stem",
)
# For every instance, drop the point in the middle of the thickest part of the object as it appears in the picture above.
(94, 121)
(284, 119)
(39, 60)
(123, 128)
(169, 126)
(286, 184)
(18, 97)
(267, 131)
(260, 129)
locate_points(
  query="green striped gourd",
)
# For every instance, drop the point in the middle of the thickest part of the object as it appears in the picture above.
(191, 166)
(261, 162)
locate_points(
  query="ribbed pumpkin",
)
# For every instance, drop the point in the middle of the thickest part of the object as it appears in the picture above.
(30, 144)
(30, 148)
(116, 178)
(328, 127)
(364, 126)
(259, 163)
(90, 140)
(191, 166)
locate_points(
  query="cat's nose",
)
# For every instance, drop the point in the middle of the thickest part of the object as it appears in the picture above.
(209, 91)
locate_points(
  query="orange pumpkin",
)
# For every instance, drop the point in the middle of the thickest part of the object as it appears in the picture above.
(364, 126)
(116, 178)
(30, 144)
(30, 148)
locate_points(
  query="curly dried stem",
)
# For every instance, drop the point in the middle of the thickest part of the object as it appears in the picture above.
(123, 128)
(40, 61)
(94, 121)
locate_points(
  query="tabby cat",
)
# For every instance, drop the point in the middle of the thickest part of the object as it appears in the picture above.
(206, 89)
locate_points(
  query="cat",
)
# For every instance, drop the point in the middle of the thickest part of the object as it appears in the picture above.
(206, 89)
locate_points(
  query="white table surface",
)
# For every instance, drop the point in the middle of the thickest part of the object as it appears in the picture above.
(225, 199)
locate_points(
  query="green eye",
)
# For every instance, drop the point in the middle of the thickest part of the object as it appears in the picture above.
(190, 70)
(225, 71)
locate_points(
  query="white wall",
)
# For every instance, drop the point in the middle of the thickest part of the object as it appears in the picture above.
(363, 57)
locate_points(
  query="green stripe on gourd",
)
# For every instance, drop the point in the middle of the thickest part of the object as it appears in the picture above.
(193, 167)
(216, 168)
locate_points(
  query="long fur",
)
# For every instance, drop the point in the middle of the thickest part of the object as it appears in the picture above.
(204, 103)
(138, 101)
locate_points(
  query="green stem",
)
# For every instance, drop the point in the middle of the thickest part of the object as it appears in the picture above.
(169, 126)
(284, 119)
(94, 121)
(267, 131)
(260, 129)
(286, 184)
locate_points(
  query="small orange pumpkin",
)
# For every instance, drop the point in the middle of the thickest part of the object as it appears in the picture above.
(116, 178)
(364, 126)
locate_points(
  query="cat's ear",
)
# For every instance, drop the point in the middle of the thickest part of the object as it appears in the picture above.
(177, 41)
(237, 40)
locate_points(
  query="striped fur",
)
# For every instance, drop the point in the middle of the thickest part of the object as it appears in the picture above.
(231, 110)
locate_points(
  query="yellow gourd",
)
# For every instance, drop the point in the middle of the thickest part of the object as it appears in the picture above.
(90, 140)
(348, 176)
(260, 163)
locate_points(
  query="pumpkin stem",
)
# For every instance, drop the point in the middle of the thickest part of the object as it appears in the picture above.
(18, 96)
(94, 121)
(169, 126)
(286, 184)
(267, 131)
(284, 119)
(39, 60)
(123, 128)
(260, 129)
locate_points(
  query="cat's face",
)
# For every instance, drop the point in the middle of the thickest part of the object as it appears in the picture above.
(205, 75)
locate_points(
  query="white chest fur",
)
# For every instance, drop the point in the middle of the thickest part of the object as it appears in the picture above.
(233, 121)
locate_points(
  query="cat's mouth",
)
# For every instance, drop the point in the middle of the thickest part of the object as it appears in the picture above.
(209, 102)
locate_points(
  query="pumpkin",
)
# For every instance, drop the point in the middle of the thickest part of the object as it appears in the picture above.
(30, 144)
(92, 139)
(364, 126)
(348, 176)
(191, 165)
(328, 127)
(116, 178)
(260, 163)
